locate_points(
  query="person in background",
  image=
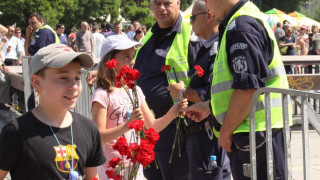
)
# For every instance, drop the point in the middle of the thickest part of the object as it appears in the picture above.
(4, 87)
(84, 39)
(136, 26)
(117, 30)
(144, 29)
(38, 34)
(289, 42)
(279, 32)
(98, 39)
(314, 45)
(60, 31)
(138, 36)
(12, 48)
(18, 34)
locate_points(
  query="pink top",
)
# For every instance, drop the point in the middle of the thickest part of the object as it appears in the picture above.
(117, 103)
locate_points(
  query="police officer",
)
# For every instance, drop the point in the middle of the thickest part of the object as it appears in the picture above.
(167, 43)
(201, 142)
(247, 59)
(38, 35)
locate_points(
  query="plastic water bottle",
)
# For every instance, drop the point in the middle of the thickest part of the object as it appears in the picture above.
(212, 163)
(15, 101)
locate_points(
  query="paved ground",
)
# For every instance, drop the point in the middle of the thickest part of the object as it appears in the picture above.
(296, 145)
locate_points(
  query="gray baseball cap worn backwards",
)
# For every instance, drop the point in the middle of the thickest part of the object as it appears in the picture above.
(57, 56)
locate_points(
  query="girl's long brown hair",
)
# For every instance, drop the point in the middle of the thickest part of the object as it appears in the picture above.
(106, 77)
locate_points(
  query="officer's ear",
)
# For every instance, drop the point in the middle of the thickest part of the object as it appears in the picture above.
(210, 16)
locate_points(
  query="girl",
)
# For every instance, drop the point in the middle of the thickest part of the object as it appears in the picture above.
(110, 104)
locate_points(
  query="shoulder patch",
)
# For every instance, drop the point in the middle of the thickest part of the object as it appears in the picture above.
(240, 64)
(231, 25)
(238, 46)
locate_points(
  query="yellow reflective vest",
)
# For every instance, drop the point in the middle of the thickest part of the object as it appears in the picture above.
(177, 56)
(222, 81)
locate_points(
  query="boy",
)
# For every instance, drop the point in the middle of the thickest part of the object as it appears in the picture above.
(50, 142)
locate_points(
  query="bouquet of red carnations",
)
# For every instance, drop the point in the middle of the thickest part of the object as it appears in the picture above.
(142, 150)
(199, 72)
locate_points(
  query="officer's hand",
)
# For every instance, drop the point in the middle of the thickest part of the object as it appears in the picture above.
(92, 77)
(197, 111)
(29, 31)
(225, 139)
(175, 88)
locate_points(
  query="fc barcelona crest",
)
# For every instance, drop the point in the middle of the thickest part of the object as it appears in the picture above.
(64, 156)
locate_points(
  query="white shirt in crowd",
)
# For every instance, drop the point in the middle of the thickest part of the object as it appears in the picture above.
(16, 48)
(97, 41)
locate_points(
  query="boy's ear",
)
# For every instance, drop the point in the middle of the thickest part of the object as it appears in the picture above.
(35, 82)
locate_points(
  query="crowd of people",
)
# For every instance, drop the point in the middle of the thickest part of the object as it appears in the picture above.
(299, 41)
(229, 40)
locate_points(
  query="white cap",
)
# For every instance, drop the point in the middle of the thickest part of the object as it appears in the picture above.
(56, 56)
(118, 42)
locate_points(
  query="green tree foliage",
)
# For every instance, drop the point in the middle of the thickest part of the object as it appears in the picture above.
(72, 12)
(311, 9)
(286, 6)
(138, 10)
(184, 4)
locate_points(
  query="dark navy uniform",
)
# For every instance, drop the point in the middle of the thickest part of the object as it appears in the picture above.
(43, 37)
(249, 52)
(154, 83)
(200, 144)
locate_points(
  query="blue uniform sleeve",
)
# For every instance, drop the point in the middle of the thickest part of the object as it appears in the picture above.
(43, 38)
(249, 52)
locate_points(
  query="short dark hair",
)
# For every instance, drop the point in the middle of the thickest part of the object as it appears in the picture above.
(115, 24)
(38, 15)
(59, 26)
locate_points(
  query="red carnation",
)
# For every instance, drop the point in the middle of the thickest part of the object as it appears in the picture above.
(151, 135)
(145, 157)
(110, 173)
(94, 178)
(146, 145)
(111, 64)
(165, 68)
(199, 70)
(134, 146)
(117, 177)
(114, 162)
(137, 125)
(121, 146)
(135, 74)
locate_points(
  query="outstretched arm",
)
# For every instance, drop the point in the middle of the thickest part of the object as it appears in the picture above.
(161, 123)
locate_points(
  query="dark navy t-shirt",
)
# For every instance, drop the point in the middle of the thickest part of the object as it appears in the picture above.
(290, 50)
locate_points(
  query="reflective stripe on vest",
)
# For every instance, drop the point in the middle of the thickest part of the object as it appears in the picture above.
(221, 90)
(177, 56)
(56, 38)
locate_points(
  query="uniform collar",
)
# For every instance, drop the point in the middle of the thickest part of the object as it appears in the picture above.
(233, 10)
(175, 28)
(211, 40)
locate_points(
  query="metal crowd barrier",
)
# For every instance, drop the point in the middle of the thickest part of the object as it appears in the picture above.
(308, 114)
(83, 105)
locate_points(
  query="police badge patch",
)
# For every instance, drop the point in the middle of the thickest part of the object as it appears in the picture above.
(240, 64)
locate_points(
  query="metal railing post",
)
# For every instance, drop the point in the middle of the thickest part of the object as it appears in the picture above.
(305, 138)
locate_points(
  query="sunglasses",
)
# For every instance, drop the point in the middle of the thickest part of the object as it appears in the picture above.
(17, 32)
(193, 17)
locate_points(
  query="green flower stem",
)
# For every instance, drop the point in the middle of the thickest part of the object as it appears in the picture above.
(175, 139)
